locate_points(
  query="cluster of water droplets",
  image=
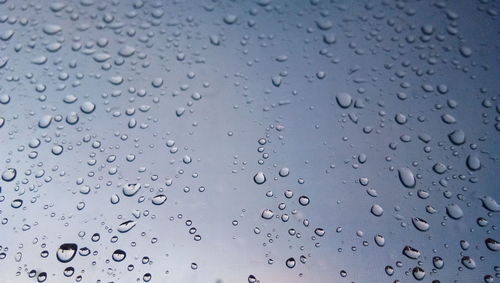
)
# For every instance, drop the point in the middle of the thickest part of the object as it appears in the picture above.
(259, 141)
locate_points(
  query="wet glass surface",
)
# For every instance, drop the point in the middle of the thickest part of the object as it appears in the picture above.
(249, 141)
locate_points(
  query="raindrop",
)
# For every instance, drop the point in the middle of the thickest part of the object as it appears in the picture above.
(126, 226)
(438, 262)
(284, 172)
(473, 162)
(304, 200)
(290, 263)
(66, 252)
(259, 178)
(344, 100)
(377, 210)
(131, 189)
(418, 273)
(159, 199)
(454, 211)
(468, 262)
(406, 177)
(420, 224)
(490, 204)
(320, 232)
(87, 107)
(119, 255)
(17, 203)
(492, 244)
(411, 252)
(9, 174)
(267, 214)
(457, 137)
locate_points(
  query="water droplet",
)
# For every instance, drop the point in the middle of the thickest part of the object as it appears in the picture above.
(230, 19)
(344, 100)
(457, 137)
(377, 210)
(420, 224)
(304, 200)
(159, 199)
(284, 172)
(290, 262)
(4, 99)
(9, 174)
(131, 189)
(259, 178)
(411, 252)
(87, 107)
(418, 273)
(454, 211)
(439, 168)
(267, 214)
(119, 255)
(69, 271)
(379, 240)
(320, 232)
(126, 51)
(473, 162)
(17, 203)
(492, 244)
(51, 29)
(468, 262)
(45, 121)
(126, 226)
(438, 262)
(406, 177)
(66, 252)
(490, 204)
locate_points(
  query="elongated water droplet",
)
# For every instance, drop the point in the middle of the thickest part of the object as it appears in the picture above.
(411, 252)
(454, 211)
(492, 244)
(159, 199)
(420, 224)
(406, 177)
(126, 226)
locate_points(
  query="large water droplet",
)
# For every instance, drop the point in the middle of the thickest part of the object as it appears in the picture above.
(9, 174)
(468, 262)
(492, 244)
(159, 199)
(131, 189)
(454, 211)
(418, 273)
(457, 137)
(290, 262)
(411, 252)
(119, 255)
(126, 226)
(344, 100)
(259, 178)
(377, 210)
(267, 214)
(406, 177)
(66, 252)
(420, 224)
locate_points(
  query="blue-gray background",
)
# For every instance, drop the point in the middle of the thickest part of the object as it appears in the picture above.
(264, 69)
